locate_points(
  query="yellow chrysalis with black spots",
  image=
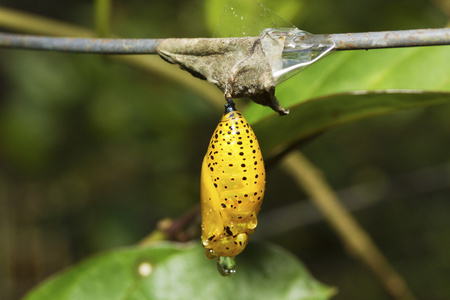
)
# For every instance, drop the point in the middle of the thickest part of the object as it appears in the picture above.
(232, 186)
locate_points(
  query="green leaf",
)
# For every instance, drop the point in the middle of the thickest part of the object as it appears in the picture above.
(349, 86)
(423, 68)
(174, 271)
(315, 116)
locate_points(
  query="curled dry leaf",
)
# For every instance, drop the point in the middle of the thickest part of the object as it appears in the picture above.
(238, 66)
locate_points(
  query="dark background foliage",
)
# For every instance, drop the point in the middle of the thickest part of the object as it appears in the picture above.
(94, 152)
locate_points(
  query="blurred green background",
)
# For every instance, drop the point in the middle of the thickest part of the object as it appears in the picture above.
(94, 152)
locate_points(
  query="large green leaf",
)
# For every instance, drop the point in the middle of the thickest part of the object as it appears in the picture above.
(183, 272)
(350, 86)
(312, 117)
(424, 69)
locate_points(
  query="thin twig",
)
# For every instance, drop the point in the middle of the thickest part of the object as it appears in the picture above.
(356, 239)
(355, 198)
(175, 230)
(343, 41)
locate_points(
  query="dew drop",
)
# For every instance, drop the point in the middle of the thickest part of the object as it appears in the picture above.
(226, 266)
(210, 254)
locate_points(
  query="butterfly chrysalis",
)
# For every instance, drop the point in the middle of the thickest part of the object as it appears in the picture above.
(232, 186)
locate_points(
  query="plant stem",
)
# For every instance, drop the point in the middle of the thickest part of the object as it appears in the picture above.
(351, 233)
(23, 22)
(102, 17)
